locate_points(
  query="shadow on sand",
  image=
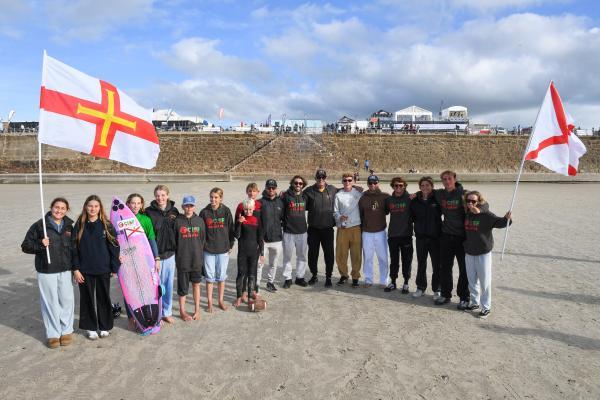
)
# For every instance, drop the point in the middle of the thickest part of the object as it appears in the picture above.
(549, 257)
(574, 297)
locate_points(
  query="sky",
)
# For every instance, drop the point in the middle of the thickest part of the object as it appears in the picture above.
(316, 60)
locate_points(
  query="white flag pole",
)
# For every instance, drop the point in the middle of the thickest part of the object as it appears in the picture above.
(512, 203)
(40, 168)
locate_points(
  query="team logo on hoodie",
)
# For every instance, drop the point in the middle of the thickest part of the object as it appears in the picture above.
(398, 207)
(471, 225)
(297, 206)
(451, 204)
(189, 232)
(215, 223)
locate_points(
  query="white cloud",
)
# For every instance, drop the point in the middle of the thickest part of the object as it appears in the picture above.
(91, 20)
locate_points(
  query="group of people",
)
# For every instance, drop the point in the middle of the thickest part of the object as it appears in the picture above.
(449, 224)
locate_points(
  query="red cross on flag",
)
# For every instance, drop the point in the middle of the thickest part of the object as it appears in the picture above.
(92, 116)
(553, 143)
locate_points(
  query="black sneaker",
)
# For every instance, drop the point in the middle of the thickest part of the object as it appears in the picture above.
(342, 280)
(462, 305)
(355, 283)
(390, 287)
(473, 307)
(301, 282)
(442, 300)
(484, 314)
(327, 282)
(287, 284)
(271, 288)
(313, 280)
(405, 289)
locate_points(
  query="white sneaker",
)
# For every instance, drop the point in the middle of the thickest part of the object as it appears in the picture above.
(104, 334)
(417, 293)
(92, 335)
(437, 295)
(405, 288)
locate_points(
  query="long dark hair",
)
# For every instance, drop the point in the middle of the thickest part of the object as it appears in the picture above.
(83, 217)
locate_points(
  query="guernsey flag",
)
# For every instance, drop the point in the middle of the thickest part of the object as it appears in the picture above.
(92, 116)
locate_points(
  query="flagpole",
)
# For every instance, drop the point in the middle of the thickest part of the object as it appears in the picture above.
(512, 202)
(40, 169)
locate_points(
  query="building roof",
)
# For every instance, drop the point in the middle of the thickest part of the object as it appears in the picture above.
(414, 110)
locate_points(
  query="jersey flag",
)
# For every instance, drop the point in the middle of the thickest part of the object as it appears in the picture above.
(89, 115)
(553, 143)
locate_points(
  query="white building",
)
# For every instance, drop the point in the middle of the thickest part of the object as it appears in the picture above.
(413, 115)
(455, 114)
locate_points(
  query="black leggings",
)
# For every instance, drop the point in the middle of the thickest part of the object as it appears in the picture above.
(100, 316)
(246, 275)
(431, 247)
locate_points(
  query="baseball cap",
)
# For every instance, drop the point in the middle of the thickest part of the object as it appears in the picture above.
(372, 179)
(321, 173)
(188, 200)
(270, 183)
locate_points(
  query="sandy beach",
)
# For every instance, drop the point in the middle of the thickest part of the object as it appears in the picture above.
(542, 340)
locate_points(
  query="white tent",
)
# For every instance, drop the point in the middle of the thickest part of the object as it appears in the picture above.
(413, 114)
(170, 115)
(455, 113)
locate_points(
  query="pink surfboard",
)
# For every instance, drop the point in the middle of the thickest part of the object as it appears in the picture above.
(139, 281)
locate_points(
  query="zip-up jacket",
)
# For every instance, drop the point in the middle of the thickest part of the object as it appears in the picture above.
(249, 235)
(427, 217)
(95, 254)
(319, 205)
(478, 230)
(400, 219)
(190, 237)
(294, 218)
(162, 220)
(60, 246)
(372, 210)
(219, 229)
(271, 217)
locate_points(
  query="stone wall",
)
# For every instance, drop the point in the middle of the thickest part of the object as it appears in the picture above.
(250, 154)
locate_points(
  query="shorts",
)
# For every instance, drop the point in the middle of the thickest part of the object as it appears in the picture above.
(184, 279)
(215, 267)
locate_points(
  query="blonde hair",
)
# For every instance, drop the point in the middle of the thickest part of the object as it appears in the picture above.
(164, 188)
(252, 186)
(248, 202)
(480, 198)
(348, 175)
(218, 191)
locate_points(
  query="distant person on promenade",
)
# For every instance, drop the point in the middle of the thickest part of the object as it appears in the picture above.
(135, 202)
(294, 232)
(272, 221)
(54, 279)
(367, 164)
(248, 232)
(400, 231)
(450, 199)
(190, 238)
(373, 223)
(478, 246)
(348, 239)
(427, 217)
(163, 212)
(219, 241)
(95, 261)
(319, 204)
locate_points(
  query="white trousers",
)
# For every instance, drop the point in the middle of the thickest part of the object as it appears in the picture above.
(293, 241)
(57, 302)
(272, 252)
(479, 273)
(375, 243)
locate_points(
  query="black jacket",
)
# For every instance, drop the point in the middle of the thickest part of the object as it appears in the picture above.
(95, 254)
(60, 246)
(320, 206)
(271, 217)
(426, 216)
(163, 220)
(294, 212)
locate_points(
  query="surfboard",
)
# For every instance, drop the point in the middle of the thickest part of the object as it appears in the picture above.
(137, 276)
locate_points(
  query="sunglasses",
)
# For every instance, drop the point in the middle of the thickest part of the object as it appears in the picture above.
(272, 188)
(347, 180)
(469, 201)
(321, 178)
(373, 183)
(398, 185)
(299, 183)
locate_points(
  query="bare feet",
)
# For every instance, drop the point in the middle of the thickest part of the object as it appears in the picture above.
(169, 320)
(209, 308)
(245, 297)
(222, 306)
(131, 325)
(185, 316)
(237, 302)
(196, 315)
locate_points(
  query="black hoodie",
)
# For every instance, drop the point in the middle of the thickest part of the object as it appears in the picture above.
(162, 220)
(190, 236)
(220, 229)
(400, 219)
(271, 217)
(294, 218)
(478, 229)
(453, 209)
(319, 205)
(427, 217)
(60, 246)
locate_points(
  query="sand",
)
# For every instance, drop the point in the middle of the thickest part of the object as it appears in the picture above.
(542, 340)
